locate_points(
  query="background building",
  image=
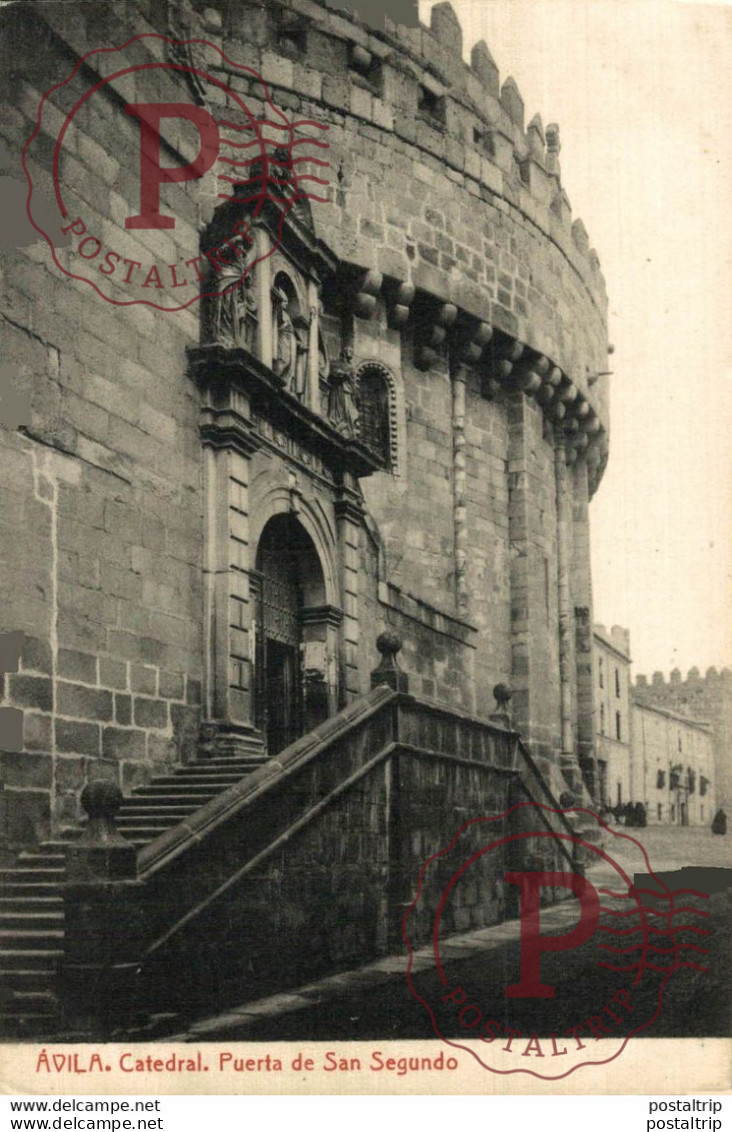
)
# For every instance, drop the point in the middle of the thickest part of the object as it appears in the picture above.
(611, 663)
(647, 752)
(708, 698)
(672, 767)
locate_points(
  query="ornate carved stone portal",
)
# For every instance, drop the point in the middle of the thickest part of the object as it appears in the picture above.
(281, 470)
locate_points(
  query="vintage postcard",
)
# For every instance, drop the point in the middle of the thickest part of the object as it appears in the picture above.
(365, 547)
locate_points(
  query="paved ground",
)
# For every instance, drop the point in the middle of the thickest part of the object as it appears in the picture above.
(375, 1001)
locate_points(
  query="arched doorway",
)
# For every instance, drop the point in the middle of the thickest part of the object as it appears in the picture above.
(291, 664)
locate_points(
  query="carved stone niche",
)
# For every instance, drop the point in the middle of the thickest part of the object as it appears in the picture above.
(263, 266)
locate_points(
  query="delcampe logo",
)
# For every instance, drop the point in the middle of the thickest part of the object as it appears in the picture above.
(130, 239)
(554, 983)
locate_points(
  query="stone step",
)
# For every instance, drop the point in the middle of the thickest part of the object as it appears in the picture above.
(25, 979)
(224, 764)
(23, 904)
(42, 860)
(216, 781)
(29, 959)
(29, 940)
(29, 889)
(166, 798)
(25, 920)
(183, 793)
(31, 876)
(153, 816)
(142, 835)
(205, 772)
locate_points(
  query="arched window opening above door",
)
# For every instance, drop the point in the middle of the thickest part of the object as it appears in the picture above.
(377, 421)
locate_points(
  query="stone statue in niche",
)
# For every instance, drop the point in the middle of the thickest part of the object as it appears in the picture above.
(234, 321)
(291, 357)
(343, 394)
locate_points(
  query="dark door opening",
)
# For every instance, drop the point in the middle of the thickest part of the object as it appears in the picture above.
(290, 581)
(282, 683)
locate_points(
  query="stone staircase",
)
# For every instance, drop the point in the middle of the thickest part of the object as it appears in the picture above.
(31, 893)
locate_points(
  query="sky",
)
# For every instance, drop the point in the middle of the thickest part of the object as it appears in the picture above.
(642, 92)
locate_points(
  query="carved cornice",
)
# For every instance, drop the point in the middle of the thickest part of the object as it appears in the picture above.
(350, 509)
(321, 615)
(221, 367)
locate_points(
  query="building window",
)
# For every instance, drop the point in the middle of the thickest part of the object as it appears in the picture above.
(601, 673)
(602, 719)
(431, 107)
(703, 783)
(673, 812)
(619, 788)
(377, 412)
(617, 683)
(618, 728)
(660, 812)
(660, 779)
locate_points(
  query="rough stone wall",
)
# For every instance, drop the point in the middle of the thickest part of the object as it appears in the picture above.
(707, 699)
(102, 500)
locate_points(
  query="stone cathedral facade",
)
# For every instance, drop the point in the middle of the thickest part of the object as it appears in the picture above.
(386, 415)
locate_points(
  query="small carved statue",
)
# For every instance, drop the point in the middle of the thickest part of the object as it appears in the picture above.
(302, 344)
(235, 305)
(343, 394)
(285, 362)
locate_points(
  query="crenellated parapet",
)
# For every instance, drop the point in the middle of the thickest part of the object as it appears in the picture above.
(412, 82)
(713, 678)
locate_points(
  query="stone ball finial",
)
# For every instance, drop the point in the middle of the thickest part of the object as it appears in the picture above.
(388, 671)
(388, 644)
(502, 694)
(101, 799)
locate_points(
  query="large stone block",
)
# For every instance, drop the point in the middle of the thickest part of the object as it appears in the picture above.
(82, 702)
(30, 691)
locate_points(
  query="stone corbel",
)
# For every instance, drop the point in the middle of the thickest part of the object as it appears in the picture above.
(550, 385)
(505, 358)
(400, 304)
(367, 294)
(471, 340)
(431, 335)
(529, 377)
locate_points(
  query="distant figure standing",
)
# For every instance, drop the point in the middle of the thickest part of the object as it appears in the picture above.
(719, 825)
